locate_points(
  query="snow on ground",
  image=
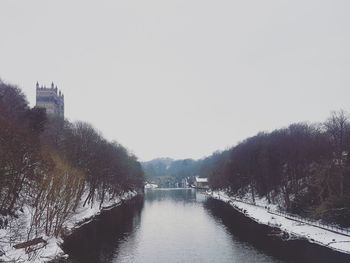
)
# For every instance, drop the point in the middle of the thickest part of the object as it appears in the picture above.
(85, 214)
(52, 249)
(151, 186)
(264, 214)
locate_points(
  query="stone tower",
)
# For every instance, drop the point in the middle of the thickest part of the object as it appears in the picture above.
(50, 99)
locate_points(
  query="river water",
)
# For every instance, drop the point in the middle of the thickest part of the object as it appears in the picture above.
(184, 225)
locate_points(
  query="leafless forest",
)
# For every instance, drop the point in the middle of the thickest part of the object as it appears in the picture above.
(50, 165)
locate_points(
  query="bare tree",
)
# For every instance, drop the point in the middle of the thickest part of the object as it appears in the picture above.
(338, 128)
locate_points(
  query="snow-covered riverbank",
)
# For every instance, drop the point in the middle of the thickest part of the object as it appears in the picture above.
(52, 249)
(264, 214)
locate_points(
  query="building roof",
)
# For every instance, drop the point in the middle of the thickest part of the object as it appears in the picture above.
(201, 180)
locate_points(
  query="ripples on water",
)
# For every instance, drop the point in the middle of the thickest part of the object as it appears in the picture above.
(180, 225)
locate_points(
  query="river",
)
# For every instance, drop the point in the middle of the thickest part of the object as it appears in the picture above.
(184, 225)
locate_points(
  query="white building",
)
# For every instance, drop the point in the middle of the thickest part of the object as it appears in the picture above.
(201, 183)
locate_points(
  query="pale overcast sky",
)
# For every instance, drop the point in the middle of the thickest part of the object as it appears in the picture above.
(182, 78)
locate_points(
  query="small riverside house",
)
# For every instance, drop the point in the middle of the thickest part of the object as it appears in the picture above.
(201, 183)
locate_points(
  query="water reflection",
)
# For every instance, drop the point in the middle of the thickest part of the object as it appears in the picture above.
(99, 240)
(245, 231)
(178, 226)
(171, 195)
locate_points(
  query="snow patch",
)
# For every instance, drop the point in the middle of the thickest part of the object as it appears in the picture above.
(16, 232)
(267, 214)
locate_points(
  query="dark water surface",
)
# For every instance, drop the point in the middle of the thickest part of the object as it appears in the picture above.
(183, 225)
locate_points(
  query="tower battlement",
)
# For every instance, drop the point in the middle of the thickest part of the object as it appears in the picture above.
(51, 99)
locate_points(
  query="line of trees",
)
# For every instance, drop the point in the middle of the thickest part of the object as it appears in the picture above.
(305, 166)
(167, 172)
(50, 165)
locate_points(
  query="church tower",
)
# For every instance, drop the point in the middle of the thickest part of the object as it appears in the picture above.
(50, 99)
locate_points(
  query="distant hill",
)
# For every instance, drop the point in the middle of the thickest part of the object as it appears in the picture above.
(167, 171)
(157, 167)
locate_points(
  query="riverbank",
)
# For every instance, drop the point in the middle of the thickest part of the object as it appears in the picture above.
(164, 225)
(267, 214)
(50, 249)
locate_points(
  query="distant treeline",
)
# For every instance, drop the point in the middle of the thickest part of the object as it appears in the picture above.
(52, 165)
(167, 172)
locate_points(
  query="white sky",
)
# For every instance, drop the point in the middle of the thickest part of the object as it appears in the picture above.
(182, 78)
